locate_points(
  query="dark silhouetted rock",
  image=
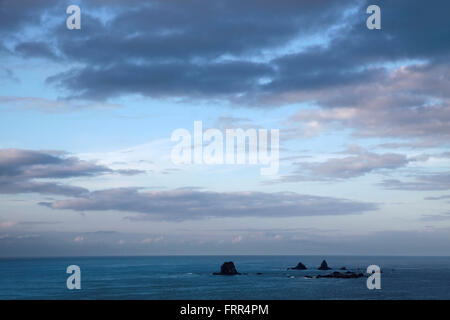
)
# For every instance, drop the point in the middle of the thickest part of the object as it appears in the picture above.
(227, 269)
(343, 268)
(299, 266)
(347, 275)
(259, 273)
(324, 266)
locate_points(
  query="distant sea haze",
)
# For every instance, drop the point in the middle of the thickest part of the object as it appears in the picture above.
(191, 277)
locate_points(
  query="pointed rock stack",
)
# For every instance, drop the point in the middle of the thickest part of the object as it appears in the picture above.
(299, 266)
(324, 266)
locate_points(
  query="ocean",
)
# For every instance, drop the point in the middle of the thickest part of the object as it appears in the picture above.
(190, 277)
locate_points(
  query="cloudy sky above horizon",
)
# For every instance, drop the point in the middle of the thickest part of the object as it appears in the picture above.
(86, 118)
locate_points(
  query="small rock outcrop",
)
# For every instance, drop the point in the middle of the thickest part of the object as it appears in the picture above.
(299, 266)
(227, 269)
(343, 268)
(346, 275)
(324, 266)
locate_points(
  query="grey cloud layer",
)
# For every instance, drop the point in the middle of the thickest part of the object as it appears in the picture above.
(21, 171)
(357, 162)
(28, 171)
(15, 15)
(197, 36)
(430, 241)
(411, 103)
(236, 51)
(178, 205)
(420, 182)
(179, 48)
(354, 166)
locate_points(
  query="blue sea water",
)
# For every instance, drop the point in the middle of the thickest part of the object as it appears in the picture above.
(190, 277)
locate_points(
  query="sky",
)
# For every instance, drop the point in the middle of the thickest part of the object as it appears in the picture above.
(87, 117)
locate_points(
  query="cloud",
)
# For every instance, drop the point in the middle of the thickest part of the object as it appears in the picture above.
(177, 48)
(436, 217)
(179, 205)
(420, 182)
(354, 166)
(22, 171)
(408, 104)
(329, 66)
(16, 15)
(423, 241)
(182, 79)
(35, 49)
(183, 30)
(37, 223)
(212, 53)
(438, 197)
(49, 105)
(263, 54)
(15, 187)
(29, 164)
(359, 163)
